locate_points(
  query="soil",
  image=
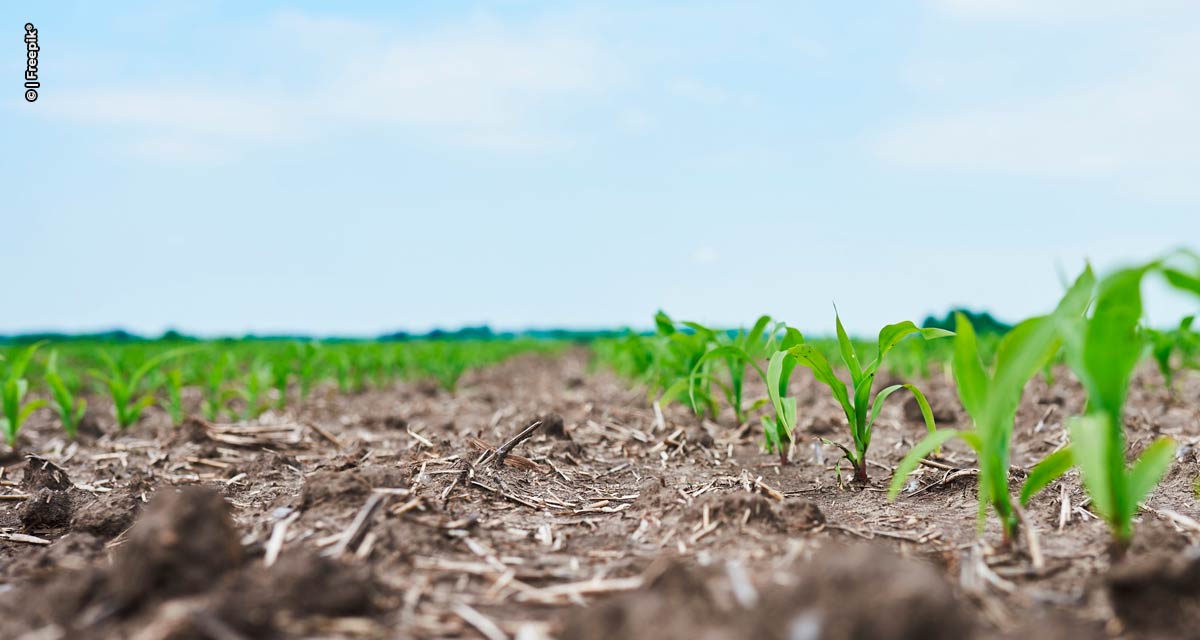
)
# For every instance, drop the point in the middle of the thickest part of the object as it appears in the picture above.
(403, 512)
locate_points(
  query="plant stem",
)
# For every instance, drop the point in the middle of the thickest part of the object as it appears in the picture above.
(860, 472)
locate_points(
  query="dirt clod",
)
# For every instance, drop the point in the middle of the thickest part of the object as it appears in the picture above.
(552, 425)
(300, 583)
(349, 485)
(794, 514)
(184, 541)
(41, 473)
(107, 516)
(194, 429)
(1159, 592)
(47, 509)
(907, 600)
(328, 486)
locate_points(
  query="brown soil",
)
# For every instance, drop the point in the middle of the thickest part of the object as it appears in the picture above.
(391, 514)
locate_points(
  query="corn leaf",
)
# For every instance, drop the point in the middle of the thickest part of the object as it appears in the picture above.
(930, 443)
(808, 356)
(922, 402)
(969, 376)
(1089, 439)
(1051, 468)
(847, 348)
(1149, 469)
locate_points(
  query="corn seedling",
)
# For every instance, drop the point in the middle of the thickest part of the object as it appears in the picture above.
(1103, 350)
(281, 375)
(860, 407)
(67, 402)
(446, 364)
(739, 352)
(991, 399)
(778, 430)
(124, 384)
(678, 356)
(12, 395)
(216, 392)
(174, 384)
(308, 356)
(1165, 344)
(258, 379)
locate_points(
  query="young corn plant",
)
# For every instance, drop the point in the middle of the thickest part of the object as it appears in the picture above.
(859, 405)
(217, 394)
(253, 391)
(308, 355)
(778, 429)
(125, 385)
(12, 395)
(1165, 344)
(446, 363)
(678, 357)
(1103, 350)
(739, 352)
(991, 399)
(174, 384)
(67, 401)
(281, 374)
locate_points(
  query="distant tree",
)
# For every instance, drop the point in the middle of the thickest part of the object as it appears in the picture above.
(983, 321)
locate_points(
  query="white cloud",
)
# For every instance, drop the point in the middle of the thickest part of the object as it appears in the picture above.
(481, 84)
(476, 82)
(1138, 130)
(191, 112)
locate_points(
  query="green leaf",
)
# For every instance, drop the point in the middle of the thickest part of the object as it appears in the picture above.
(1022, 353)
(791, 338)
(1182, 281)
(17, 368)
(847, 348)
(737, 354)
(702, 331)
(932, 442)
(808, 356)
(779, 372)
(28, 409)
(770, 433)
(1051, 468)
(969, 376)
(1089, 439)
(757, 337)
(892, 334)
(1111, 348)
(922, 402)
(1146, 473)
(662, 323)
(845, 451)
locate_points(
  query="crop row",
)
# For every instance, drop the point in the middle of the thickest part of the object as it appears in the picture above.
(1097, 329)
(232, 379)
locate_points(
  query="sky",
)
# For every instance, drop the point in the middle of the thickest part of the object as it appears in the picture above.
(359, 167)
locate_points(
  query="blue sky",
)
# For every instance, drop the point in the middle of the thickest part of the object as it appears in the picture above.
(357, 167)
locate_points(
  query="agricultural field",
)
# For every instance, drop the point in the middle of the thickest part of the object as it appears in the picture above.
(947, 481)
(600, 320)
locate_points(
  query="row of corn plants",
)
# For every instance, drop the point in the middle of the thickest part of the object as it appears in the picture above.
(1097, 330)
(221, 380)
